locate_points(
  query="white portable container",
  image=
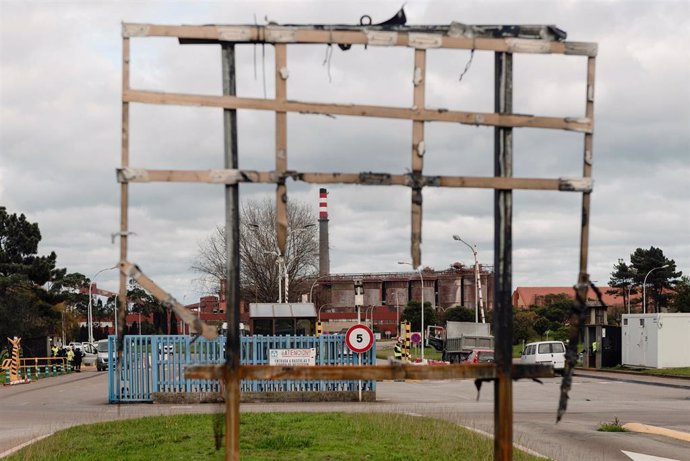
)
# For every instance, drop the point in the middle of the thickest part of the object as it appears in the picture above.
(659, 340)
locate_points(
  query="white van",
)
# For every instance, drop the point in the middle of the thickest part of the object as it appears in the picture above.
(545, 353)
(102, 355)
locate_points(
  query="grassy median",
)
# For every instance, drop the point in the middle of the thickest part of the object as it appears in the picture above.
(270, 436)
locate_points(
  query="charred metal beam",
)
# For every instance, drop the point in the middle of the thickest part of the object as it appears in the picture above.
(232, 270)
(196, 325)
(484, 371)
(503, 245)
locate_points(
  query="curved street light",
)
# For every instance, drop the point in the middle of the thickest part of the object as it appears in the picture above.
(311, 290)
(476, 276)
(89, 318)
(322, 306)
(419, 270)
(644, 287)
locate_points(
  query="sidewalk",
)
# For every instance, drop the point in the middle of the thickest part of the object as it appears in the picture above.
(634, 377)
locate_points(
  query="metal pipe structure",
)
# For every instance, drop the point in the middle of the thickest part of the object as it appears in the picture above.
(644, 287)
(476, 276)
(419, 270)
(89, 316)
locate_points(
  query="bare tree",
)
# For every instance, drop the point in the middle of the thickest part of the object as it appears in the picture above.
(259, 268)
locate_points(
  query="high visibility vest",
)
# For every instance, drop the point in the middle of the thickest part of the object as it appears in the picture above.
(397, 352)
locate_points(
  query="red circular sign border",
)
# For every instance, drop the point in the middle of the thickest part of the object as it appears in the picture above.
(354, 349)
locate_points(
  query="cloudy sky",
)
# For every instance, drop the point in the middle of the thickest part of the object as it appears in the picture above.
(60, 89)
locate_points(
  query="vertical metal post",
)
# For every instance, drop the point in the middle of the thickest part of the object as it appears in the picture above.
(232, 241)
(503, 216)
(281, 76)
(419, 81)
(583, 278)
(124, 203)
(582, 287)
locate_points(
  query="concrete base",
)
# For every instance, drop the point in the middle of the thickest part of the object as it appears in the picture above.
(251, 397)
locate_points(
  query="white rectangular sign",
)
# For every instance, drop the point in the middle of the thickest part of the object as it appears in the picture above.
(290, 357)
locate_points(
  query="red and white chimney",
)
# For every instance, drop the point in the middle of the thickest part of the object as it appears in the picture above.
(324, 257)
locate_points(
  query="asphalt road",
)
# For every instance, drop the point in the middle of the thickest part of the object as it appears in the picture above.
(40, 408)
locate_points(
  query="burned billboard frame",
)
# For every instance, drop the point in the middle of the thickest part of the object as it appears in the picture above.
(504, 42)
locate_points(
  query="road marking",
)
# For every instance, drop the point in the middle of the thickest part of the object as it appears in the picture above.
(644, 428)
(491, 436)
(25, 444)
(642, 457)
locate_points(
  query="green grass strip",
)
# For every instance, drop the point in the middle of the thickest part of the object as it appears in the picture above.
(270, 436)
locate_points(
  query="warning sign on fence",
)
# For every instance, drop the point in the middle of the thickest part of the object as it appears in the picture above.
(291, 357)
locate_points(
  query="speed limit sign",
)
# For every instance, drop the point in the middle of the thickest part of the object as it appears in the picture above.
(359, 338)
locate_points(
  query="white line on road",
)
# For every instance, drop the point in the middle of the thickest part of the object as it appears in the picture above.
(642, 457)
(25, 444)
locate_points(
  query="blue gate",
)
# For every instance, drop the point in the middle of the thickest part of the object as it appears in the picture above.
(152, 364)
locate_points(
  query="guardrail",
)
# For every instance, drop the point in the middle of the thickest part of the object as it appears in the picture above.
(35, 368)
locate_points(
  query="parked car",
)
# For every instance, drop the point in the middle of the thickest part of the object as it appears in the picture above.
(102, 355)
(90, 354)
(481, 356)
(545, 353)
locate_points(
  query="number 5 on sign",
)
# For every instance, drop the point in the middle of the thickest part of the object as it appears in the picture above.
(359, 338)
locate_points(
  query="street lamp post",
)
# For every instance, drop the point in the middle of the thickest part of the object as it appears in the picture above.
(89, 317)
(419, 270)
(644, 287)
(370, 314)
(313, 285)
(476, 276)
(115, 309)
(397, 315)
(322, 306)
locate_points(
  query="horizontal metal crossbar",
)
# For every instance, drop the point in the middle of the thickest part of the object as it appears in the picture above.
(578, 124)
(401, 36)
(235, 176)
(368, 372)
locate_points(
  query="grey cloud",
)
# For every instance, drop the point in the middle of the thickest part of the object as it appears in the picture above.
(60, 134)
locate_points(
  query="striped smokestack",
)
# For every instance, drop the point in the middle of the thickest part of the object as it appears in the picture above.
(324, 257)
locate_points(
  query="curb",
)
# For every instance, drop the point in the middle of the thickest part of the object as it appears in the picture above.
(633, 380)
(630, 372)
(646, 429)
(13, 450)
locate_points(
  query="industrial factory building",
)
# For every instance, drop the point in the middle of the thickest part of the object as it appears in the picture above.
(387, 294)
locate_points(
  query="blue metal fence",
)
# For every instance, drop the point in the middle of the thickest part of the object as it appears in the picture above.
(156, 364)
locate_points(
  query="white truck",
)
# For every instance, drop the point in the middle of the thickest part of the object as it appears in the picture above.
(457, 339)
